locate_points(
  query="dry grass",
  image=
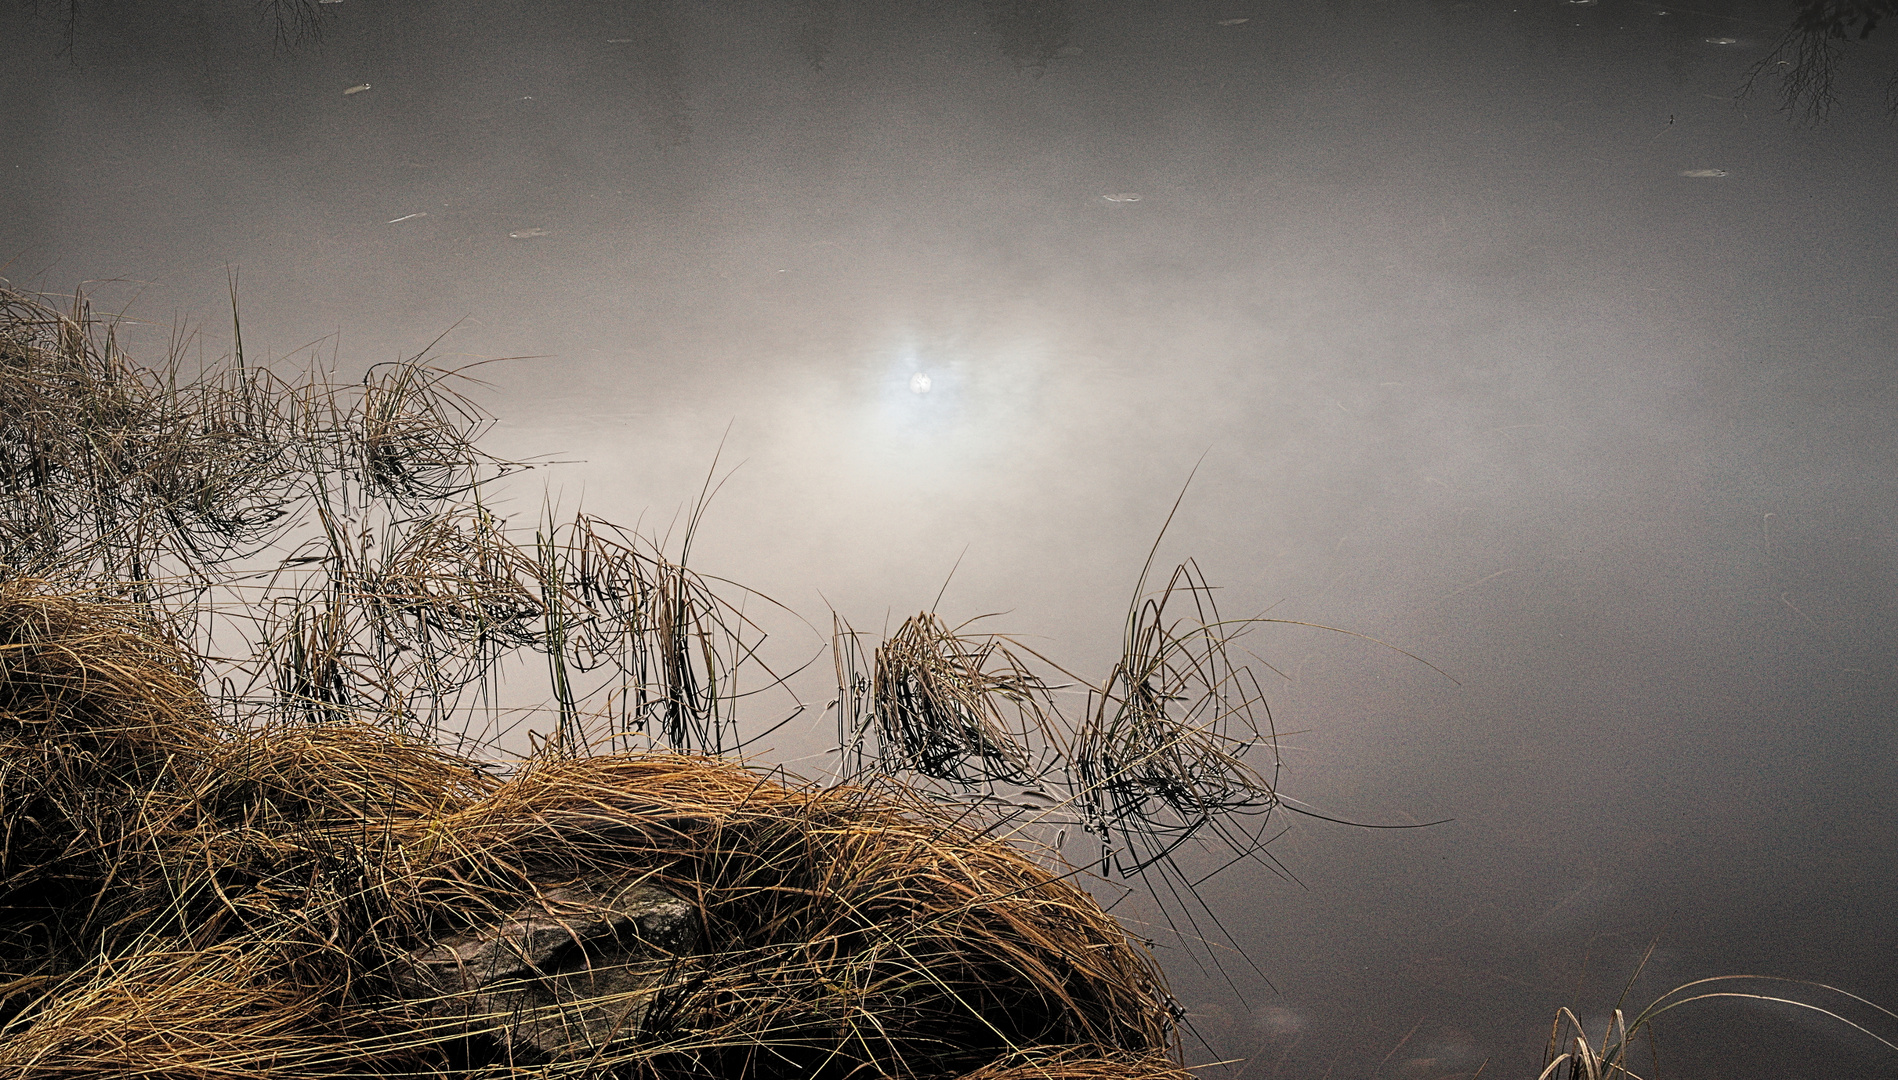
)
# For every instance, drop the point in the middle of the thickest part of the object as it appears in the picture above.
(123, 469)
(235, 886)
(1571, 1055)
(188, 897)
(400, 595)
(944, 704)
(856, 928)
(1083, 1063)
(163, 478)
(1173, 760)
(326, 546)
(1162, 757)
(98, 712)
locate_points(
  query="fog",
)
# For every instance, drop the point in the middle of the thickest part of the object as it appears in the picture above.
(1467, 360)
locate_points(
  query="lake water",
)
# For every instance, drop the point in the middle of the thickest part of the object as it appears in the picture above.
(1509, 335)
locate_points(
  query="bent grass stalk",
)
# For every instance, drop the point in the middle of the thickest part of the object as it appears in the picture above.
(1570, 1055)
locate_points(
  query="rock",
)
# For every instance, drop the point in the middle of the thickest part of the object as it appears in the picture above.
(564, 975)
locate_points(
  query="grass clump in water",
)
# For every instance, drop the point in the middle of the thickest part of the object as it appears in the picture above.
(246, 624)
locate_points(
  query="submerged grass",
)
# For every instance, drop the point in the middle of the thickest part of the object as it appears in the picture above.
(945, 704)
(243, 619)
(326, 545)
(217, 859)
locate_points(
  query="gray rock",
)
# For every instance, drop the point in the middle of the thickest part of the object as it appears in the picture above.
(561, 977)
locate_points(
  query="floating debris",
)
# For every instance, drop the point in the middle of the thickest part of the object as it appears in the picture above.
(357, 89)
(329, 1)
(527, 234)
(405, 217)
(1584, 3)
(1125, 196)
(1233, 22)
(618, 40)
(1703, 172)
(1721, 41)
(1068, 50)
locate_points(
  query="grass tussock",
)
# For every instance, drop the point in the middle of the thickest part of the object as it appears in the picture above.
(1085, 1063)
(242, 619)
(190, 897)
(946, 704)
(99, 714)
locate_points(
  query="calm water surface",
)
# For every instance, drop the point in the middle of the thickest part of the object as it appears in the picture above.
(1507, 334)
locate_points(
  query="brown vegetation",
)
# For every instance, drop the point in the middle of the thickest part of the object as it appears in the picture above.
(187, 897)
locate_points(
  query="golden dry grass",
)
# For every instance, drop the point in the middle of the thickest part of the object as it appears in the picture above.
(187, 897)
(235, 886)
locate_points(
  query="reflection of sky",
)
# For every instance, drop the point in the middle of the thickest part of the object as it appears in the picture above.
(944, 408)
(1475, 369)
(918, 397)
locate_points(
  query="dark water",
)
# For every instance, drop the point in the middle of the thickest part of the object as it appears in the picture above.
(1475, 368)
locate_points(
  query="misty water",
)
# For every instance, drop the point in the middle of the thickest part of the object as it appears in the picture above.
(1509, 335)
